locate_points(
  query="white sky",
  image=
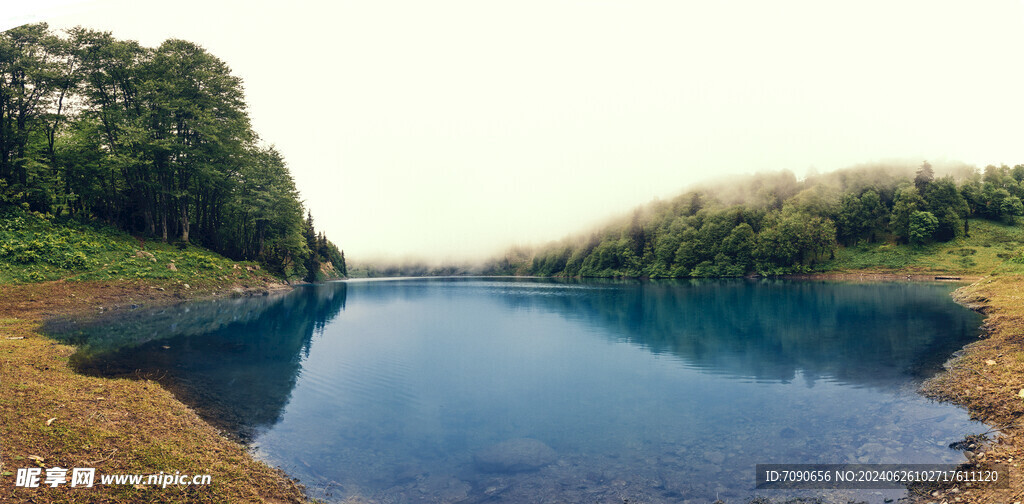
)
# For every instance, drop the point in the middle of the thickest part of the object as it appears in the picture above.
(455, 128)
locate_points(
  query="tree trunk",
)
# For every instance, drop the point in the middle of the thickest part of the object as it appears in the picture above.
(163, 221)
(184, 222)
(4, 120)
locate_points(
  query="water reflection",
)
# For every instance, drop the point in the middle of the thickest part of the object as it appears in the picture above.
(860, 333)
(651, 391)
(237, 360)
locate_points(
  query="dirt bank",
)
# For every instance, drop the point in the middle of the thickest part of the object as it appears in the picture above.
(987, 378)
(52, 417)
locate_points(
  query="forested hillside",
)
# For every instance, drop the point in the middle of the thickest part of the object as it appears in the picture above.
(153, 141)
(776, 224)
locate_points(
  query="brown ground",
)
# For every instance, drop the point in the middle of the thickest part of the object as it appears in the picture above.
(118, 426)
(988, 379)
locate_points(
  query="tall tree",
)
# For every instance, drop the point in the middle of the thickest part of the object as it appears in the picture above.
(923, 177)
(908, 201)
(312, 258)
(27, 80)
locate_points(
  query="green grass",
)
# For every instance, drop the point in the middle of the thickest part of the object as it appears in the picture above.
(34, 248)
(992, 247)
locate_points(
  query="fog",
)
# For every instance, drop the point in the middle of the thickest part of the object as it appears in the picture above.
(744, 189)
(454, 129)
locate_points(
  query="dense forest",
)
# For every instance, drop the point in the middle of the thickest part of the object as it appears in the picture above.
(154, 141)
(776, 224)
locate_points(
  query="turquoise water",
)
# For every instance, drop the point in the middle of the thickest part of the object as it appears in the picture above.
(423, 390)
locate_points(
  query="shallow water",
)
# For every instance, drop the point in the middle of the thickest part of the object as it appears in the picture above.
(644, 391)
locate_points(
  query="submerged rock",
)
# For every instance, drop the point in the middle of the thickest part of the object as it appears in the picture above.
(714, 457)
(514, 455)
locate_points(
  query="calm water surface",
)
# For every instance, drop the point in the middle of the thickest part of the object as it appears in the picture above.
(424, 390)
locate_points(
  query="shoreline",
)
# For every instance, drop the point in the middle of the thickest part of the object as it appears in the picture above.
(989, 392)
(51, 416)
(986, 377)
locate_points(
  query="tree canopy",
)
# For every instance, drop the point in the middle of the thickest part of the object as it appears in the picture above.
(776, 224)
(156, 141)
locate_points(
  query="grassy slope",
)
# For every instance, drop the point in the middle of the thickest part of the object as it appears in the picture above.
(118, 426)
(34, 249)
(988, 249)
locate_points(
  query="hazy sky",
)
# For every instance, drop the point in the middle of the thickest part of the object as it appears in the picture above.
(456, 128)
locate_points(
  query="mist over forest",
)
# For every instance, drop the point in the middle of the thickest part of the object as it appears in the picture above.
(765, 224)
(772, 224)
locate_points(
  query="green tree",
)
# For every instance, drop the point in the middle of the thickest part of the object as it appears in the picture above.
(666, 245)
(821, 238)
(924, 177)
(29, 76)
(852, 219)
(110, 74)
(944, 200)
(739, 247)
(972, 192)
(200, 109)
(264, 212)
(1011, 208)
(312, 259)
(687, 254)
(876, 215)
(993, 197)
(782, 242)
(908, 201)
(922, 226)
(1018, 173)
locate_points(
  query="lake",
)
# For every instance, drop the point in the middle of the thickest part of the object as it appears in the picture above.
(537, 390)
